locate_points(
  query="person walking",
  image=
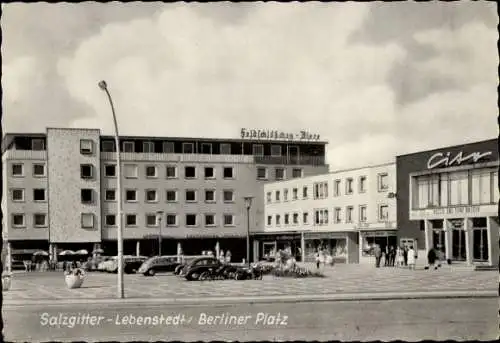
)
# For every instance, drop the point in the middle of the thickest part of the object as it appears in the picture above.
(411, 258)
(378, 255)
(317, 258)
(431, 258)
(399, 257)
(405, 255)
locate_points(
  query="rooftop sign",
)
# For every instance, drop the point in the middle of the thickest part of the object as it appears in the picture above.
(446, 160)
(278, 135)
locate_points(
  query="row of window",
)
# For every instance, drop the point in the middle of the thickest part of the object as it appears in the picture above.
(151, 220)
(320, 189)
(38, 169)
(321, 216)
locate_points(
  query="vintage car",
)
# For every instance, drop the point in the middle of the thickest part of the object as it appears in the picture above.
(130, 264)
(158, 264)
(203, 265)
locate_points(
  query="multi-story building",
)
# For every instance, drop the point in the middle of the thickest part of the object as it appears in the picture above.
(344, 212)
(60, 190)
(447, 199)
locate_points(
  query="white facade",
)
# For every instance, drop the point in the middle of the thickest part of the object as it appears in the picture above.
(352, 205)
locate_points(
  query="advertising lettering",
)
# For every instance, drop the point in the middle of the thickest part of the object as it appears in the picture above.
(444, 159)
(303, 135)
(456, 210)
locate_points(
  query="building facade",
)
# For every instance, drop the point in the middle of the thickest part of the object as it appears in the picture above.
(60, 190)
(344, 213)
(447, 199)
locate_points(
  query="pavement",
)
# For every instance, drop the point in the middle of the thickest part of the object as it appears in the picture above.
(341, 282)
(407, 320)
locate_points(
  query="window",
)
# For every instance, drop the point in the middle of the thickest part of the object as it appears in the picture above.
(481, 187)
(39, 194)
(37, 144)
(277, 195)
(110, 195)
(320, 190)
(285, 194)
(305, 218)
(108, 146)
(269, 220)
(228, 196)
(321, 216)
(86, 171)
(209, 220)
(338, 215)
(86, 146)
(382, 182)
(336, 188)
(18, 194)
(110, 170)
(295, 218)
(86, 196)
(278, 219)
(295, 193)
(261, 173)
(190, 219)
(279, 173)
(287, 219)
(131, 220)
(151, 220)
(171, 195)
(362, 213)
(18, 220)
(209, 173)
(275, 150)
(189, 172)
(151, 195)
(296, 173)
(206, 148)
(228, 173)
(87, 220)
(151, 172)
(40, 220)
(269, 197)
(258, 150)
(225, 149)
(304, 192)
(190, 195)
(209, 195)
(38, 169)
(171, 220)
(130, 171)
(17, 169)
(148, 147)
(168, 147)
(131, 195)
(362, 184)
(348, 214)
(171, 172)
(128, 146)
(187, 148)
(348, 186)
(383, 214)
(228, 220)
(110, 220)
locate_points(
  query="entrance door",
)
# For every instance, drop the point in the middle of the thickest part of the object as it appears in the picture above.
(268, 249)
(438, 239)
(458, 245)
(293, 154)
(480, 244)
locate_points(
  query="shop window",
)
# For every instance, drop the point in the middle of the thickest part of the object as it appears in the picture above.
(370, 240)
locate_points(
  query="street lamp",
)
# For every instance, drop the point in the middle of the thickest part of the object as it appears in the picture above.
(159, 214)
(248, 205)
(119, 232)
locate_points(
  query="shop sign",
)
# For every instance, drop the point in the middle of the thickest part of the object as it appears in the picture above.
(324, 235)
(446, 160)
(446, 210)
(277, 237)
(266, 134)
(378, 233)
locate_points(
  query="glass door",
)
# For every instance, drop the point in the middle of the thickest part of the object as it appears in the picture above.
(480, 244)
(458, 245)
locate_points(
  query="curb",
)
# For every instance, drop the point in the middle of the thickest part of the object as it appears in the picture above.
(258, 299)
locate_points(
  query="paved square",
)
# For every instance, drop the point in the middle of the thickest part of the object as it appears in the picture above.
(339, 279)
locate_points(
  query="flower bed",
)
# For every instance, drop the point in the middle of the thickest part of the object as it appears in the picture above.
(74, 278)
(296, 272)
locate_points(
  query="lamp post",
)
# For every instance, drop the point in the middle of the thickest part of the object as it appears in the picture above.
(248, 205)
(119, 232)
(159, 214)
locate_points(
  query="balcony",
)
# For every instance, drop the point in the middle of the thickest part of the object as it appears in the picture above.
(25, 154)
(291, 160)
(188, 158)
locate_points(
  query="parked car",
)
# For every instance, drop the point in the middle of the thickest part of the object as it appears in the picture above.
(158, 264)
(195, 268)
(131, 264)
(184, 262)
(105, 263)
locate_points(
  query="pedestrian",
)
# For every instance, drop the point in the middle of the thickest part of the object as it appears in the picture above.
(399, 257)
(405, 255)
(411, 258)
(431, 259)
(393, 256)
(378, 255)
(318, 260)
(386, 256)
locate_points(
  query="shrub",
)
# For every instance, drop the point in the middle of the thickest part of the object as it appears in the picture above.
(296, 272)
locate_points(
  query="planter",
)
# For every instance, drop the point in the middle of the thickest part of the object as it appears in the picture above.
(74, 281)
(6, 282)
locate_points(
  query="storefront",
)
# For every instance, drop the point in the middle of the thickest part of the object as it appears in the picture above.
(265, 246)
(331, 243)
(368, 239)
(451, 201)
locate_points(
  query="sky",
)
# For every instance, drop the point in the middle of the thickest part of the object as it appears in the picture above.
(373, 79)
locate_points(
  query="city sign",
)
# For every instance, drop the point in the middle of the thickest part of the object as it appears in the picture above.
(444, 159)
(278, 135)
